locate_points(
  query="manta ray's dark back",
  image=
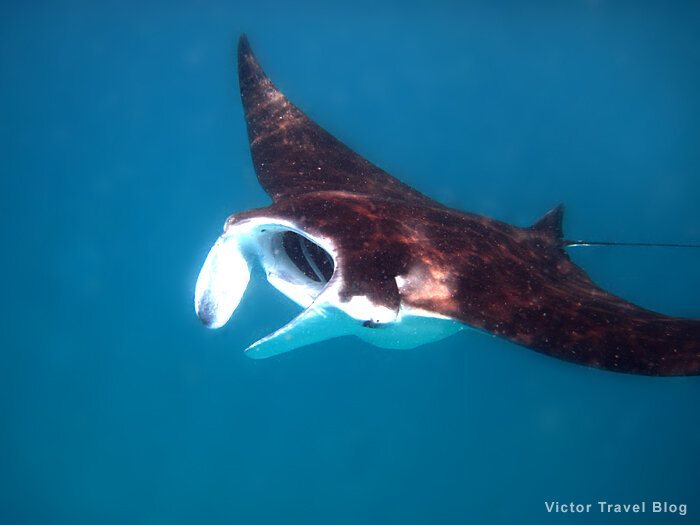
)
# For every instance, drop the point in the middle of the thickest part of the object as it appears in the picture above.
(400, 250)
(293, 155)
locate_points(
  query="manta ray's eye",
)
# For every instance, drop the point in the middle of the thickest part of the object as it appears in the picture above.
(312, 260)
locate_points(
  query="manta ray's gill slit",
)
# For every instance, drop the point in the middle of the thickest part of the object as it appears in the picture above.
(309, 258)
(308, 249)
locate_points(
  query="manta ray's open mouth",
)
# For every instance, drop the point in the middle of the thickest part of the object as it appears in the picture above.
(293, 263)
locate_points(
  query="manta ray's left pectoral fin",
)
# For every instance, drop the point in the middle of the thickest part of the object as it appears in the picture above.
(318, 322)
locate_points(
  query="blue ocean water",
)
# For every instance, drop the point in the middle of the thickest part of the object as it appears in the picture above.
(123, 151)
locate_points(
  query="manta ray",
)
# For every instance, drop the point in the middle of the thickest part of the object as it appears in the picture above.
(364, 254)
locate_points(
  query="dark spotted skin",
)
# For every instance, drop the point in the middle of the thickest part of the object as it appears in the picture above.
(293, 155)
(517, 283)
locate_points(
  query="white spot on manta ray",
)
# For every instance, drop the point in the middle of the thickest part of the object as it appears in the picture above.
(424, 283)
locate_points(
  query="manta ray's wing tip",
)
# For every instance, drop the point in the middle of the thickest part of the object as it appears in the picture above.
(243, 46)
(248, 68)
(252, 354)
(247, 64)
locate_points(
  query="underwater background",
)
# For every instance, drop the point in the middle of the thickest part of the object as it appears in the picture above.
(123, 149)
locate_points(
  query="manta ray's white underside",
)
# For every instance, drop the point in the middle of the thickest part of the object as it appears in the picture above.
(226, 273)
